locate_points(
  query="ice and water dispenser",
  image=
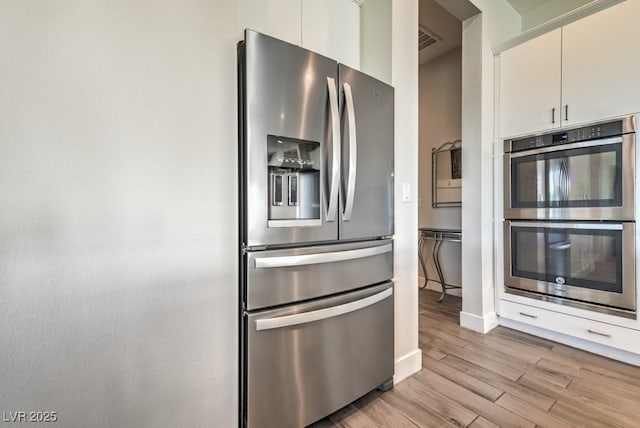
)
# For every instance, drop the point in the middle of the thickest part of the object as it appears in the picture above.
(294, 180)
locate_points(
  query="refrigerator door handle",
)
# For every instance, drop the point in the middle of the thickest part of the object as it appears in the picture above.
(321, 314)
(311, 259)
(335, 148)
(353, 152)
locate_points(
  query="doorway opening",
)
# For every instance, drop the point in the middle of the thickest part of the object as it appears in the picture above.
(440, 143)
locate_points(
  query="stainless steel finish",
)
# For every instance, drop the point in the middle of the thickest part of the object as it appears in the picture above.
(293, 190)
(294, 223)
(571, 225)
(335, 150)
(279, 100)
(301, 187)
(310, 259)
(572, 303)
(628, 126)
(579, 145)
(274, 286)
(373, 202)
(316, 255)
(321, 314)
(299, 374)
(624, 212)
(598, 333)
(276, 189)
(625, 301)
(353, 153)
(524, 314)
(553, 115)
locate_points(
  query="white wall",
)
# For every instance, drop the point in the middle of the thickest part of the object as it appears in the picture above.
(404, 77)
(118, 231)
(497, 22)
(440, 113)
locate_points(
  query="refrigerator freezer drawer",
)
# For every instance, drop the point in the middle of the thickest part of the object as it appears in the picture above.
(306, 361)
(279, 277)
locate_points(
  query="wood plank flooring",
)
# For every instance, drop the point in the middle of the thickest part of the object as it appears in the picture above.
(504, 378)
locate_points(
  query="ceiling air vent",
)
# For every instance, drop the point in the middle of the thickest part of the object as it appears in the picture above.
(426, 37)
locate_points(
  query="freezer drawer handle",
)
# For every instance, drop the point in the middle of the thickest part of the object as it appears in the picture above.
(321, 314)
(311, 259)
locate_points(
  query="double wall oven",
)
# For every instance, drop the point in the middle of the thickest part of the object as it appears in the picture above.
(569, 206)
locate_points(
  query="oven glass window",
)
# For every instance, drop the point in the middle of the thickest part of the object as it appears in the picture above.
(584, 177)
(577, 257)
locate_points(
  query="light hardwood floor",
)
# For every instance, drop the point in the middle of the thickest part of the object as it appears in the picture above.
(504, 378)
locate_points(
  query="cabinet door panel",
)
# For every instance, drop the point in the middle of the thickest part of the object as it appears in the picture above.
(601, 65)
(530, 86)
(332, 28)
(275, 18)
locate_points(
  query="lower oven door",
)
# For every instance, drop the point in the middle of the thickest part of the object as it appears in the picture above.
(588, 265)
(304, 361)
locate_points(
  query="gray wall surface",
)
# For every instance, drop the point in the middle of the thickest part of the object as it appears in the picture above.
(118, 221)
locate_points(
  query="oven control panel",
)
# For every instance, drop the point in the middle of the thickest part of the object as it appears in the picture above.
(601, 130)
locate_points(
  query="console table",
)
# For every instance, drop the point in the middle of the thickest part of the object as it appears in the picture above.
(438, 236)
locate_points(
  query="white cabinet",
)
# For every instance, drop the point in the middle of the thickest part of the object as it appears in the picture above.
(614, 336)
(530, 85)
(601, 64)
(583, 72)
(329, 27)
(276, 18)
(332, 28)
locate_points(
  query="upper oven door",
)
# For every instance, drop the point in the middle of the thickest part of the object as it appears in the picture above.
(590, 180)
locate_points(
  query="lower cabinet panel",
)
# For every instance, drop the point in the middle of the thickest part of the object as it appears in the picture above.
(605, 334)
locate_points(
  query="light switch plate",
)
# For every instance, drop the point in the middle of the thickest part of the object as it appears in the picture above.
(406, 192)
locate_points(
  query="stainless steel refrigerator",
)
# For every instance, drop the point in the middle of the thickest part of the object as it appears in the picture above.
(316, 183)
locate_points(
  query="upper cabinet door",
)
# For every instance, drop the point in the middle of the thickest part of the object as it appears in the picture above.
(530, 86)
(332, 28)
(601, 65)
(275, 18)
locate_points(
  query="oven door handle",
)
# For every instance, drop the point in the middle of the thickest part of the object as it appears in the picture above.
(545, 225)
(561, 246)
(579, 145)
(321, 314)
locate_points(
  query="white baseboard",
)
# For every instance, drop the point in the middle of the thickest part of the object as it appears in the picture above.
(480, 324)
(407, 365)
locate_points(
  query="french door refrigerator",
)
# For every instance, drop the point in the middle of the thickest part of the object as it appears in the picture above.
(316, 256)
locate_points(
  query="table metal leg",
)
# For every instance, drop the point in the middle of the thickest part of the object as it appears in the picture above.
(422, 263)
(438, 238)
(436, 261)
